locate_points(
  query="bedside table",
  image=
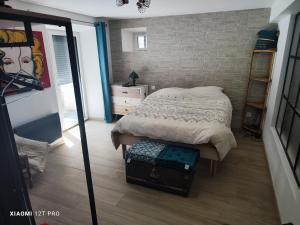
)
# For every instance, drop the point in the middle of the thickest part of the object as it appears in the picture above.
(125, 99)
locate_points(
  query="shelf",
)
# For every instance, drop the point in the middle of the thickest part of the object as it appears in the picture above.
(260, 79)
(295, 57)
(264, 51)
(258, 105)
(257, 131)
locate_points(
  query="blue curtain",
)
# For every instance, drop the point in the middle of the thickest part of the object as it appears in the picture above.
(104, 71)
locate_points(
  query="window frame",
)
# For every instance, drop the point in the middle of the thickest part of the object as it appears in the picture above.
(288, 104)
(145, 41)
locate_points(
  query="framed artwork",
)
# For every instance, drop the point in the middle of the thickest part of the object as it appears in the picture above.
(24, 60)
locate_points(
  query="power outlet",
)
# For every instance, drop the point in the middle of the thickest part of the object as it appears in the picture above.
(153, 87)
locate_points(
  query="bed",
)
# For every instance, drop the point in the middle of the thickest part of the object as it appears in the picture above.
(198, 117)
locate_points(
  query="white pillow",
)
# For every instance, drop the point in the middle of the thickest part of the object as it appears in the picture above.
(174, 92)
(36, 151)
(206, 89)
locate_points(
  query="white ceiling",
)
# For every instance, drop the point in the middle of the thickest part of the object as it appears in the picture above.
(108, 8)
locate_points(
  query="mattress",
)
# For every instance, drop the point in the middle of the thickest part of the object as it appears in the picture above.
(192, 116)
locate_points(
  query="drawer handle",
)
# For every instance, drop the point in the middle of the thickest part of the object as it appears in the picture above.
(125, 92)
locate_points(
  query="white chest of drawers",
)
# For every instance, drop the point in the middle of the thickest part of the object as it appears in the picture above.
(125, 99)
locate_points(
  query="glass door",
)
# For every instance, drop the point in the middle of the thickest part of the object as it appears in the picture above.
(65, 89)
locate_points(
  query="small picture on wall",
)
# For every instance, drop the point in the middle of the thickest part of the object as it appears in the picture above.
(24, 60)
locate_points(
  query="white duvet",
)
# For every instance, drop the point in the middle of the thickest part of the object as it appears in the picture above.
(192, 116)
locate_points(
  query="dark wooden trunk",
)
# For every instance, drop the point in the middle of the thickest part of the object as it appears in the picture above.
(166, 179)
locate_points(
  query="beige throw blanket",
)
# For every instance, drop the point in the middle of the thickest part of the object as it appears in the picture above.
(36, 151)
(192, 116)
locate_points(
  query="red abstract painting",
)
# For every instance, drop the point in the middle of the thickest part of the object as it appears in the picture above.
(24, 60)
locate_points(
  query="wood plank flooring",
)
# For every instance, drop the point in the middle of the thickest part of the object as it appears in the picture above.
(239, 194)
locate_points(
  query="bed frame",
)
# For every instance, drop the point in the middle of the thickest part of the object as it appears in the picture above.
(208, 151)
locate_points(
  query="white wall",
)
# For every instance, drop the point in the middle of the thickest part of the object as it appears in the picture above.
(34, 104)
(278, 7)
(285, 187)
(91, 73)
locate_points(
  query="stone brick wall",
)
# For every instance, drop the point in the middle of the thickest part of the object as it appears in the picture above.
(193, 50)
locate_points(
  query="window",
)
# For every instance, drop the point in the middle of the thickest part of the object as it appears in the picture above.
(65, 88)
(288, 117)
(64, 74)
(134, 39)
(142, 41)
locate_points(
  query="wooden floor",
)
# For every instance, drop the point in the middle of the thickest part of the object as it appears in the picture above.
(240, 193)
